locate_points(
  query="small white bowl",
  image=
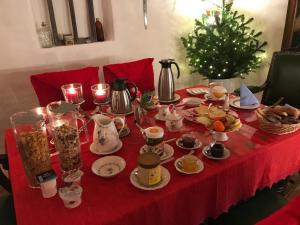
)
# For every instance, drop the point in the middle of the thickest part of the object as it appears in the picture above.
(108, 166)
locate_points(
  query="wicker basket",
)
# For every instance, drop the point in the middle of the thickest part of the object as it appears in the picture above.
(275, 128)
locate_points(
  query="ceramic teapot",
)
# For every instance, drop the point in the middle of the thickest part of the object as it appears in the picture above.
(174, 119)
(105, 136)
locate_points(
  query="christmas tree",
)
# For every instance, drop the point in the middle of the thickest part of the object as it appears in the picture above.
(222, 45)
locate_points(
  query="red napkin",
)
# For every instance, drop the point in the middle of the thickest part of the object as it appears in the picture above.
(139, 72)
(47, 85)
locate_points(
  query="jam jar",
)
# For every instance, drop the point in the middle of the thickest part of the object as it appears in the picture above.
(149, 170)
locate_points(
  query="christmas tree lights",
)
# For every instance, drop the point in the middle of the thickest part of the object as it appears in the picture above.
(222, 45)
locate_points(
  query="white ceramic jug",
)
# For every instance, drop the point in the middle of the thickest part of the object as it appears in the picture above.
(106, 137)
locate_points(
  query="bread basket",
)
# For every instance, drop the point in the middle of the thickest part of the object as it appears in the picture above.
(274, 128)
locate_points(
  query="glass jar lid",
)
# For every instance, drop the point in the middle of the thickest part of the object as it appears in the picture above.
(148, 160)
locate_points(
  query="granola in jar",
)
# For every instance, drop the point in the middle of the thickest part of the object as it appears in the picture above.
(68, 145)
(33, 147)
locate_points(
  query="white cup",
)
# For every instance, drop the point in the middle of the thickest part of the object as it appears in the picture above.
(48, 188)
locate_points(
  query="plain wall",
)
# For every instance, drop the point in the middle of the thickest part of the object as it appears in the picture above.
(21, 54)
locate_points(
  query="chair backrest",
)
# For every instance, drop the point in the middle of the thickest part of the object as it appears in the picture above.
(283, 79)
(140, 72)
(47, 86)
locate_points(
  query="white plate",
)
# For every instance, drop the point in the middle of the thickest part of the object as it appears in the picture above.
(208, 97)
(96, 151)
(176, 98)
(165, 179)
(168, 151)
(235, 102)
(208, 155)
(116, 114)
(197, 91)
(196, 146)
(157, 117)
(190, 102)
(179, 169)
(108, 166)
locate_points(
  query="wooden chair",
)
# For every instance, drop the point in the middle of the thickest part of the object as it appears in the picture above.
(47, 86)
(7, 211)
(283, 79)
(139, 72)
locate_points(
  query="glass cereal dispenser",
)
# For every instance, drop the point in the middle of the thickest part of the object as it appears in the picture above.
(63, 122)
(31, 138)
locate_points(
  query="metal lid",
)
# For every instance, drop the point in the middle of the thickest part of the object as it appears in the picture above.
(166, 62)
(148, 160)
(62, 107)
(26, 118)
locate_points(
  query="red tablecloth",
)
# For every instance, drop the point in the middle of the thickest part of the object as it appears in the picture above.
(288, 215)
(257, 160)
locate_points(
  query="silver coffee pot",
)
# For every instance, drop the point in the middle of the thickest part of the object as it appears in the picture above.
(120, 96)
(166, 85)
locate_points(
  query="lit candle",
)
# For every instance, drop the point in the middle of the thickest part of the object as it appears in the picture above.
(100, 94)
(72, 95)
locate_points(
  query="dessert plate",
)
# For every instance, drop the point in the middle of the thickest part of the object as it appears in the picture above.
(168, 151)
(196, 145)
(190, 102)
(179, 167)
(176, 98)
(197, 91)
(165, 179)
(97, 151)
(108, 166)
(235, 102)
(206, 153)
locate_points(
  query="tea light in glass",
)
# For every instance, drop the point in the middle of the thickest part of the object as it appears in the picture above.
(101, 94)
(73, 93)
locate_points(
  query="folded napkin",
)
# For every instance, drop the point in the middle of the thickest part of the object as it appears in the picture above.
(247, 98)
(139, 72)
(47, 86)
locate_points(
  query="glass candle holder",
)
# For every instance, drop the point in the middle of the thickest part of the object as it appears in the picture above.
(73, 93)
(100, 93)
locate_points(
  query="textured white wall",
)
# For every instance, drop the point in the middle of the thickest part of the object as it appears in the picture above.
(21, 54)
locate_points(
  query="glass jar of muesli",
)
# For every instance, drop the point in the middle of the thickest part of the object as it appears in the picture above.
(31, 137)
(63, 122)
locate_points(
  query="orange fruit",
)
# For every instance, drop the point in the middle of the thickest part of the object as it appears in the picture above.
(218, 126)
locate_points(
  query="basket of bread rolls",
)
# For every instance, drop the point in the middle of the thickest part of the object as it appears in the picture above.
(279, 119)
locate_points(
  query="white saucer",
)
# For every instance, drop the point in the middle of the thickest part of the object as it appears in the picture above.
(157, 117)
(176, 98)
(117, 114)
(235, 102)
(168, 151)
(197, 91)
(165, 179)
(96, 151)
(108, 166)
(196, 146)
(208, 97)
(208, 155)
(179, 168)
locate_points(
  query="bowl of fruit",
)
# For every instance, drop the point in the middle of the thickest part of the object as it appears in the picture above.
(279, 119)
(222, 123)
(215, 120)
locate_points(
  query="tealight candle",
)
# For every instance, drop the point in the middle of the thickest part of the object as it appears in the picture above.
(100, 93)
(72, 93)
